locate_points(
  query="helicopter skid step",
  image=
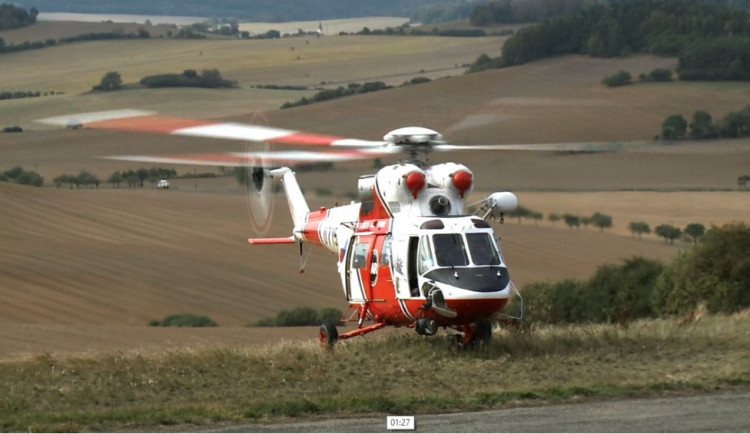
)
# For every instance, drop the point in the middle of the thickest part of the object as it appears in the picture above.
(362, 331)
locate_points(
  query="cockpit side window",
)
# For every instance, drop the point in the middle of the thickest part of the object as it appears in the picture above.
(482, 249)
(424, 257)
(450, 250)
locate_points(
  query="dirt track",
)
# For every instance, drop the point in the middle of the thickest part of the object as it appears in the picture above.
(718, 412)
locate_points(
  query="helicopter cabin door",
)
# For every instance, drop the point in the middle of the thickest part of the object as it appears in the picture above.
(359, 257)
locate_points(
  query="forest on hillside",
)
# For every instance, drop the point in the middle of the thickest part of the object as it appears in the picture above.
(711, 41)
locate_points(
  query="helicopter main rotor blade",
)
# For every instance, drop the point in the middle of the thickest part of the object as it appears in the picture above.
(149, 122)
(559, 147)
(247, 159)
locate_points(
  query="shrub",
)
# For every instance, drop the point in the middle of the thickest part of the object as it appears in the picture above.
(302, 316)
(21, 176)
(716, 272)
(110, 81)
(674, 127)
(184, 320)
(621, 78)
(702, 126)
(616, 293)
(13, 129)
(660, 74)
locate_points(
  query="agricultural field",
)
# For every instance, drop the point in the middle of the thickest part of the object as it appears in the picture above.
(80, 261)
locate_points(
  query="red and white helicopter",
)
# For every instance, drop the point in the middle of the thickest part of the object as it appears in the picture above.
(408, 254)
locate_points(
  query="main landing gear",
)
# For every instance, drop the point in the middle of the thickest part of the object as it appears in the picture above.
(476, 336)
(329, 335)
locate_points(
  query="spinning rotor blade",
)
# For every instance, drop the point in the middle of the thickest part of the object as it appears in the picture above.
(249, 159)
(560, 147)
(149, 122)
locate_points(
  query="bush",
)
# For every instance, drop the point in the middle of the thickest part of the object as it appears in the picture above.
(13, 129)
(184, 320)
(660, 74)
(110, 81)
(674, 127)
(302, 316)
(21, 176)
(616, 293)
(716, 272)
(620, 79)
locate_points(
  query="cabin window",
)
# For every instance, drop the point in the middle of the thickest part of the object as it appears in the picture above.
(359, 257)
(424, 258)
(482, 249)
(450, 250)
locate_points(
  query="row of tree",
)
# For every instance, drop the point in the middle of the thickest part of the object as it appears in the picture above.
(339, 92)
(26, 94)
(601, 221)
(21, 176)
(134, 178)
(622, 78)
(715, 273)
(141, 33)
(732, 125)
(711, 40)
(693, 232)
(208, 78)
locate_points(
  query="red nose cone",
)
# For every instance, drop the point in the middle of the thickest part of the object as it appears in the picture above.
(415, 182)
(462, 181)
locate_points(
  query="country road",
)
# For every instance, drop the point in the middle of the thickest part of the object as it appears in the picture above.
(717, 412)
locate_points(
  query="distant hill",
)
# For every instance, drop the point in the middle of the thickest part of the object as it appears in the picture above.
(257, 10)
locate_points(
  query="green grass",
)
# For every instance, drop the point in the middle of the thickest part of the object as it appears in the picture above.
(373, 375)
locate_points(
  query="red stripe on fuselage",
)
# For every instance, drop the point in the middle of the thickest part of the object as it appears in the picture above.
(310, 230)
(149, 124)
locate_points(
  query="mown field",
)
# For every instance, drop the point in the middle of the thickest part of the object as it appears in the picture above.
(186, 389)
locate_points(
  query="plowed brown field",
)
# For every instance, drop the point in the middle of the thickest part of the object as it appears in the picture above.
(84, 270)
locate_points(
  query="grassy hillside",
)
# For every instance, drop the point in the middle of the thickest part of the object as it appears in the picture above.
(195, 389)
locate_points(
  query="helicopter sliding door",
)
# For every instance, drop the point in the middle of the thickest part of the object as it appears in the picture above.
(357, 268)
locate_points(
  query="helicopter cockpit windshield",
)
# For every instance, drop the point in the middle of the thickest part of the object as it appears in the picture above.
(453, 250)
(462, 260)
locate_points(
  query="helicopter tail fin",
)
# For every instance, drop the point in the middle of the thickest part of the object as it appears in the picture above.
(297, 203)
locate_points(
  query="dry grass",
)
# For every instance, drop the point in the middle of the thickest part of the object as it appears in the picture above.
(201, 387)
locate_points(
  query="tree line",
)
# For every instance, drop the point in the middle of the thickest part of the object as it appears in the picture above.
(735, 124)
(711, 40)
(134, 178)
(599, 220)
(714, 274)
(208, 78)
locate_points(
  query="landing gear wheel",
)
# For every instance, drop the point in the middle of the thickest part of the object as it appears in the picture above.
(482, 335)
(426, 326)
(328, 335)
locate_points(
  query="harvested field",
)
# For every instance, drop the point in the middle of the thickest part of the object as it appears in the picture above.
(84, 270)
